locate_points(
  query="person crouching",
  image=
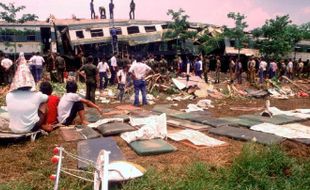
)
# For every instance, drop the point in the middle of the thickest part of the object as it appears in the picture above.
(71, 105)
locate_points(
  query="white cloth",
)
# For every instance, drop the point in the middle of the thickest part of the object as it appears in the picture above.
(263, 65)
(195, 137)
(200, 65)
(122, 75)
(139, 70)
(23, 109)
(154, 127)
(6, 63)
(32, 60)
(65, 105)
(290, 65)
(37, 60)
(103, 67)
(114, 62)
(281, 130)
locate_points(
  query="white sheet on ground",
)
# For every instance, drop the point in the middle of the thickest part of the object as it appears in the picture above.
(294, 113)
(298, 127)
(195, 137)
(154, 127)
(306, 111)
(192, 108)
(280, 130)
(133, 121)
(104, 121)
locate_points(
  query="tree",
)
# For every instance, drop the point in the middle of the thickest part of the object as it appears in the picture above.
(278, 37)
(305, 29)
(10, 11)
(9, 14)
(178, 29)
(237, 33)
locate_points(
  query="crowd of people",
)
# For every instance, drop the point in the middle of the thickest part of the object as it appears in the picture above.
(41, 109)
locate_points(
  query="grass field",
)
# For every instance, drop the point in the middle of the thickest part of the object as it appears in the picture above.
(256, 168)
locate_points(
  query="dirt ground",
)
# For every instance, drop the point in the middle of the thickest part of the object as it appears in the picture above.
(25, 160)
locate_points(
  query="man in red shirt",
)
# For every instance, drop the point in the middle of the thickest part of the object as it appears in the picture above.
(52, 103)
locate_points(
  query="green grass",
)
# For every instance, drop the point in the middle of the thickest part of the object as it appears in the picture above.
(256, 168)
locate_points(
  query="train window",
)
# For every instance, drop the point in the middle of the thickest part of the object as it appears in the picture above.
(150, 28)
(164, 26)
(133, 30)
(96, 33)
(118, 31)
(31, 38)
(79, 34)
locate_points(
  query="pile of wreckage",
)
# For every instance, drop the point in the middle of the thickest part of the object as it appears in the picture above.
(197, 87)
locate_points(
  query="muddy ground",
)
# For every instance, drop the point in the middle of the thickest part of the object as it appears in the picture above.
(29, 162)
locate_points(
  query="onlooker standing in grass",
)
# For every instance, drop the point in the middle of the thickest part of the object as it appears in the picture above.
(91, 76)
(273, 68)
(122, 81)
(103, 69)
(139, 71)
(218, 69)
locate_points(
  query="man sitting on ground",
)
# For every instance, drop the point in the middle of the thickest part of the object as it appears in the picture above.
(26, 107)
(71, 104)
(52, 103)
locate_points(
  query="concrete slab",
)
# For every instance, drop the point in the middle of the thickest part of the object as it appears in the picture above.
(183, 124)
(243, 122)
(89, 133)
(214, 122)
(246, 135)
(276, 119)
(70, 134)
(151, 147)
(89, 149)
(116, 128)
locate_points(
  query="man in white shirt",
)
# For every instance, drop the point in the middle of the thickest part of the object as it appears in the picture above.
(103, 69)
(139, 72)
(26, 107)
(122, 81)
(6, 64)
(290, 66)
(262, 70)
(71, 105)
(37, 61)
(113, 68)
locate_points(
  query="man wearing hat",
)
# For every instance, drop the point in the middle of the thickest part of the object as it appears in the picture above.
(26, 107)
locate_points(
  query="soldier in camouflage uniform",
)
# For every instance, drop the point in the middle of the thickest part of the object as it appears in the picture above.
(206, 66)
(251, 70)
(163, 65)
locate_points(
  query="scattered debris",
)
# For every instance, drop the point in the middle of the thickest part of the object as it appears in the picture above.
(195, 137)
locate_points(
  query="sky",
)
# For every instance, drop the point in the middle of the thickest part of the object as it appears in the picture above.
(205, 11)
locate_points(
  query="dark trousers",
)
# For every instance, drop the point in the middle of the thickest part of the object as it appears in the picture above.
(132, 14)
(92, 14)
(103, 85)
(205, 74)
(33, 71)
(113, 76)
(60, 75)
(90, 91)
(121, 88)
(38, 73)
(77, 106)
(140, 85)
(217, 76)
